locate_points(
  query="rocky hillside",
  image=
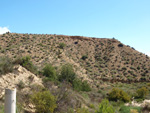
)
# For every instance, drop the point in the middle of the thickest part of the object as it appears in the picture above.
(24, 81)
(94, 59)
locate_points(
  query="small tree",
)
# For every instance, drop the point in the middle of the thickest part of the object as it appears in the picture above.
(141, 93)
(118, 94)
(49, 71)
(105, 107)
(67, 73)
(44, 102)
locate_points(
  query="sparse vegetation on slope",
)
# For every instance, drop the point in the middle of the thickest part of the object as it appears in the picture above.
(26, 62)
(83, 72)
(94, 59)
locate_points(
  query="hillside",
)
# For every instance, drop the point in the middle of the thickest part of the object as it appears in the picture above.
(105, 63)
(94, 59)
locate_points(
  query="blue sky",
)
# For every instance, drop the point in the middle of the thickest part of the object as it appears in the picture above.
(126, 20)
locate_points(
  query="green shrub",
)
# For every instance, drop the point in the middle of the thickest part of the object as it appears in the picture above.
(86, 86)
(129, 109)
(118, 94)
(62, 45)
(1, 109)
(19, 108)
(141, 93)
(50, 72)
(138, 68)
(67, 73)
(105, 107)
(78, 85)
(100, 91)
(117, 104)
(92, 106)
(44, 102)
(26, 62)
(6, 65)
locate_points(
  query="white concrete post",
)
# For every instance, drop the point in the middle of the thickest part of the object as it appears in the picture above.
(10, 101)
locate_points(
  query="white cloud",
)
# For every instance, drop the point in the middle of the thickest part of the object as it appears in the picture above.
(148, 53)
(4, 30)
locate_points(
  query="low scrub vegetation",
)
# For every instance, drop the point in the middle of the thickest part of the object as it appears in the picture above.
(130, 109)
(105, 107)
(118, 94)
(27, 63)
(67, 73)
(44, 102)
(78, 85)
(97, 58)
(50, 72)
(141, 93)
(6, 65)
(1, 109)
(62, 45)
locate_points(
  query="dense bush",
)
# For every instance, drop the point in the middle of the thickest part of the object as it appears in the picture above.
(44, 102)
(141, 93)
(6, 65)
(81, 86)
(67, 73)
(118, 94)
(27, 63)
(105, 107)
(50, 72)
